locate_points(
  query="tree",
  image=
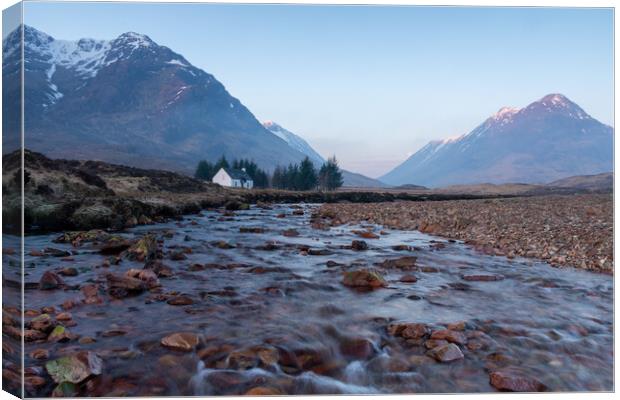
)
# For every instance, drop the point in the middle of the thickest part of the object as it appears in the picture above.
(221, 163)
(278, 179)
(205, 170)
(307, 175)
(330, 176)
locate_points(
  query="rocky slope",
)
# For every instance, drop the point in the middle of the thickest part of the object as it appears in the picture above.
(550, 139)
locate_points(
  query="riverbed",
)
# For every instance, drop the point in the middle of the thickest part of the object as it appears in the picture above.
(262, 290)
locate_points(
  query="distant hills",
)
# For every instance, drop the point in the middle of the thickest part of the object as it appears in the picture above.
(550, 139)
(129, 101)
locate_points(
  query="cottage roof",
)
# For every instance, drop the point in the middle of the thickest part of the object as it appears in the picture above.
(237, 174)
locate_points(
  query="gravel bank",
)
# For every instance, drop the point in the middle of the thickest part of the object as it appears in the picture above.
(572, 231)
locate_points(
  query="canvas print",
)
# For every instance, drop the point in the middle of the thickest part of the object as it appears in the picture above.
(205, 199)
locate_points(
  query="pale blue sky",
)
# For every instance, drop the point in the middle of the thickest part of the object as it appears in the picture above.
(370, 84)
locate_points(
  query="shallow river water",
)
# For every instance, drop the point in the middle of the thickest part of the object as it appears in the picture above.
(272, 312)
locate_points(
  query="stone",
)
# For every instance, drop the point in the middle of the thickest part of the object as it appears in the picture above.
(450, 336)
(515, 380)
(263, 391)
(359, 245)
(180, 301)
(60, 334)
(69, 271)
(413, 331)
(40, 354)
(432, 343)
(75, 368)
(357, 348)
(251, 229)
(144, 249)
(366, 234)
(406, 262)
(182, 341)
(50, 280)
(446, 353)
(43, 323)
(122, 285)
(483, 278)
(65, 389)
(408, 279)
(363, 279)
(290, 233)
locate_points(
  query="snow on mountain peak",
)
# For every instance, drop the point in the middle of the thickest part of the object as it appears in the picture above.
(271, 125)
(135, 40)
(505, 113)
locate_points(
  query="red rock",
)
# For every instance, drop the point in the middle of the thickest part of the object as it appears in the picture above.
(50, 280)
(363, 278)
(43, 323)
(450, 336)
(263, 391)
(40, 354)
(432, 343)
(180, 301)
(514, 380)
(290, 233)
(69, 271)
(358, 348)
(414, 331)
(408, 279)
(446, 353)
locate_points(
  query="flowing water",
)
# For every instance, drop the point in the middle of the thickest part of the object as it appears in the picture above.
(272, 314)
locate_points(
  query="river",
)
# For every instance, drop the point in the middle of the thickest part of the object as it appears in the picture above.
(272, 312)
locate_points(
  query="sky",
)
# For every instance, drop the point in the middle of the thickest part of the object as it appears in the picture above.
(370, 84)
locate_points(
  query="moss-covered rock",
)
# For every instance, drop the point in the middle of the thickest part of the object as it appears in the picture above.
(74, 368)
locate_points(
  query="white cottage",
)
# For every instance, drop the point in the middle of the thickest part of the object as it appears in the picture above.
(233, 178)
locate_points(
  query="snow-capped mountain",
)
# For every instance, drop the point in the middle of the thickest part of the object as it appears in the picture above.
(551, 138)
(128, 101)
(294, 141)
(350, 179)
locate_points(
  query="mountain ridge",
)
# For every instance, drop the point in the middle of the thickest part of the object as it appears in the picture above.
(129, 100)
(549, 139)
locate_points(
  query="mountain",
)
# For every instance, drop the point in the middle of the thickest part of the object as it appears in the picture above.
(550, 139)
(127, 101)
(350, 179)
(294, 141)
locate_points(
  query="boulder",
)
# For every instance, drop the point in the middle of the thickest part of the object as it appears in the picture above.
(182, 341)
(50, 280)
(450, 336)
(515, 380)
(446, 353)
(74, 368)
(144, 249)
(359, 245)
(363, 279)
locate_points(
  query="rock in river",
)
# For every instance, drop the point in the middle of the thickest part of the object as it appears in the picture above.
(363, 278)
(446, 353)
(359, 245)
(183, 341)
(483, 278)
(74, 368)
(514, 380)
(50, 280)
